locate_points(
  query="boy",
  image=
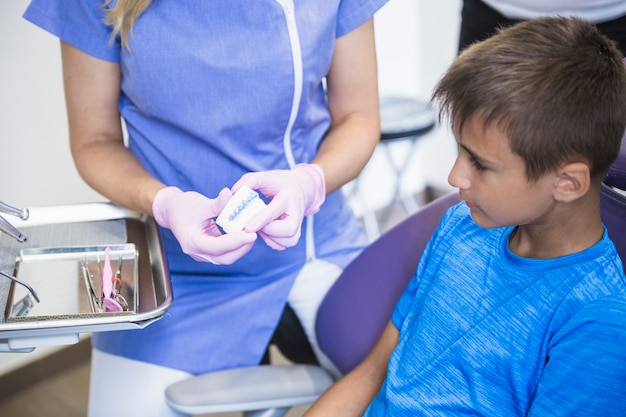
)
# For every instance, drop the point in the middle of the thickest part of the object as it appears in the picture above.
(518, 305)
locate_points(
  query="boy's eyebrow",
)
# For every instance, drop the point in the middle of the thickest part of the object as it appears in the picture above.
(474, 156)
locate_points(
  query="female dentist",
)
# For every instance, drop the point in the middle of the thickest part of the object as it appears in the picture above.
(280, 95)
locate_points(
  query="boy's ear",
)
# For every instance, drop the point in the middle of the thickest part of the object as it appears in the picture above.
(573, 182)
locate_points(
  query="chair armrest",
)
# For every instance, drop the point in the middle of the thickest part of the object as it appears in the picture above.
(250, 388)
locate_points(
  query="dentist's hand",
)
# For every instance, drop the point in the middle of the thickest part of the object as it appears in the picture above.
(189, 215)
(295, 193)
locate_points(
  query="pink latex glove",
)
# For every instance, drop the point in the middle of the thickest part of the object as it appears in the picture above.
(295, 193)
(189, 215)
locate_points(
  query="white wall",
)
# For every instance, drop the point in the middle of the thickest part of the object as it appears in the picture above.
(36, 168)
(416, 41)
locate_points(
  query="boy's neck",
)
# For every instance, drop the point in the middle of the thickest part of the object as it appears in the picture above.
(570, 229)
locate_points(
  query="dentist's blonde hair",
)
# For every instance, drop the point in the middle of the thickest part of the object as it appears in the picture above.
(122, 17)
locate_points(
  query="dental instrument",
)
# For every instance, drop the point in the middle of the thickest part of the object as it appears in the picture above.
(117, 286)
(24, 284)
(7, 227)
(110, 304)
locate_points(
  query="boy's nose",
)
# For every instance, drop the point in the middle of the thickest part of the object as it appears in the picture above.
(458, 176)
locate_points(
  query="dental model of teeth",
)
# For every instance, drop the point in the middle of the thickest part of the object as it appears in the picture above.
(241, 208)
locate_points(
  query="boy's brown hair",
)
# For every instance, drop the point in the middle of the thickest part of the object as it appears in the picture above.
(555, 86)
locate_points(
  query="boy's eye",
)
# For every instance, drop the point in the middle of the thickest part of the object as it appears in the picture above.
(477, 165)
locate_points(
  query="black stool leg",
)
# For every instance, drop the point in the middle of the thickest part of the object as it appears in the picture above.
(409, 203)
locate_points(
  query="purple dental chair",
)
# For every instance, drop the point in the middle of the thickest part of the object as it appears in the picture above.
(613, 202)
(353, 315)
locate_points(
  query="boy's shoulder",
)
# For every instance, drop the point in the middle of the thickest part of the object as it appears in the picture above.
(458, 232)
(458, 213)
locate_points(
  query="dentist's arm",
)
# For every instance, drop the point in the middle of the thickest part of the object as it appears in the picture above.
(352, 85)
(92, 94)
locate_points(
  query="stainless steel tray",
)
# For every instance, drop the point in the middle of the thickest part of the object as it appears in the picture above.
(60, 239)
(71, 279)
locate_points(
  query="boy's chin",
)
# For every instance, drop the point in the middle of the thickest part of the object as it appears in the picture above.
(484, 222)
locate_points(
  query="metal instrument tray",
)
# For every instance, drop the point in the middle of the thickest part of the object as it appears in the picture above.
(60, 239)
(70, 292)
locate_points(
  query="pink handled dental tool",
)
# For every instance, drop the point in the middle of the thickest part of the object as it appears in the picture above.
(107, 284)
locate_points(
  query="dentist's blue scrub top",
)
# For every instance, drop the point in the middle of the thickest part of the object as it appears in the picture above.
(208, 92)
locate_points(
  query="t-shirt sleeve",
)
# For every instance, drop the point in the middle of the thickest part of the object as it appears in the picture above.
(408, 296)
(79, 23)
(585, 366)
(353, 13)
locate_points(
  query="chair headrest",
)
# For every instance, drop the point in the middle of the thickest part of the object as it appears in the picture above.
(617, 172)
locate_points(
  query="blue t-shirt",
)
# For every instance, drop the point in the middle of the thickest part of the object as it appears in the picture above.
(207, 93)
(485, 332)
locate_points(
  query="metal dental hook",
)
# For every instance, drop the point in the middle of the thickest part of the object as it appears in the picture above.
(24, 284)
(92, 297)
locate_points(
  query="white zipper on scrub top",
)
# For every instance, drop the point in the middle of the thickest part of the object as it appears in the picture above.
(296, 55)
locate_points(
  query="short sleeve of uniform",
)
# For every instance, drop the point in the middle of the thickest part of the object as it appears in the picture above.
(353, 13)
(409, 295)
(79, 23)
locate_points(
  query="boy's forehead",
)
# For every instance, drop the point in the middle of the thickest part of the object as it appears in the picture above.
(479, 126)
(487, 141)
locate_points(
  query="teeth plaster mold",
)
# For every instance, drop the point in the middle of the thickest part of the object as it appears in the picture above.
(241, 208)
